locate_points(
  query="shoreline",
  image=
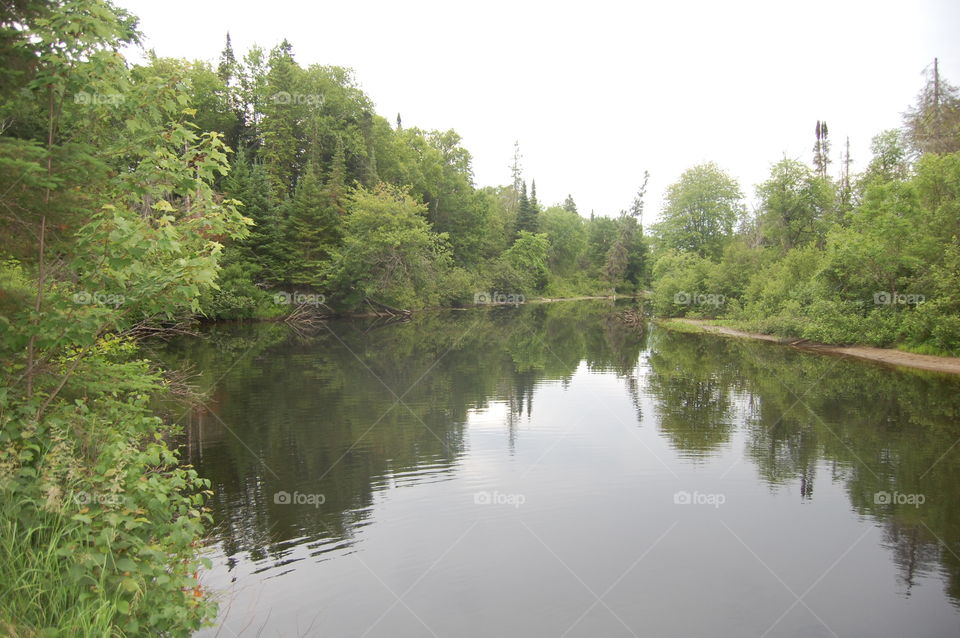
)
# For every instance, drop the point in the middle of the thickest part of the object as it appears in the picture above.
(885, 356)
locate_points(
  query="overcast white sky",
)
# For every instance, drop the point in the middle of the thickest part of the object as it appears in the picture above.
(598, 91)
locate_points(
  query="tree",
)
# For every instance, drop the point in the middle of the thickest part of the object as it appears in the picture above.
(570, 205)
(625, 257)
(526, 213)
(933, 123)
(121, 230)
(523, 267)
(567, 234)
(793, 205)
(821, 150)
(314, 229)
(700, 212)
(845, 187)
(227, 68)
(389, 253)
(264, 247)
(890, 158)
(282, 125)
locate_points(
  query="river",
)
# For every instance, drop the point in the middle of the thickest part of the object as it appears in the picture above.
(546, 470)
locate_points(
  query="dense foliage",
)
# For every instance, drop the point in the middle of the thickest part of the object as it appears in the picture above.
(111, 227)
(871, 258)
(317, 171)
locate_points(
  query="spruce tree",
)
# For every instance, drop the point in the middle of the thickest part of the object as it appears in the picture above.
(933, 124)
(526, 213)
(821, 150)
(263, 247)
(335, 189)
(227, 69)
(313, 229)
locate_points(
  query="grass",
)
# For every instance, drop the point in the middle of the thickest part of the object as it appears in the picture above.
(35, 601)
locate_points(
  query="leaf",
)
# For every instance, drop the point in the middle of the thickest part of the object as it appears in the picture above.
(164, 206)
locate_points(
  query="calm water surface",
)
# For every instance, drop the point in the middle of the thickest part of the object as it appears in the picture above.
(548, 471)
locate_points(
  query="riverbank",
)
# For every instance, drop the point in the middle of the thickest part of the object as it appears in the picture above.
(886, 356)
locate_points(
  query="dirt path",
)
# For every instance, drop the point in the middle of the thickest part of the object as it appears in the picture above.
(886, 356)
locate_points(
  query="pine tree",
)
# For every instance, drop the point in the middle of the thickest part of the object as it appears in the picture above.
(821, 150)
(534, 205)
(846, 188)
(263, 247)
(569, 205)
(626, 256)
(516, 171)
(933, 125)
(516, 175)
(228, 72)
(335, 189)
(526, 213)
(399, 123)
(313, 229)
(227, 69)
(283, 114)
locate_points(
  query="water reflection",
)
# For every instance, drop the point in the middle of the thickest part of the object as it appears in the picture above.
(884, 434)
(359, 406)
(398, 424)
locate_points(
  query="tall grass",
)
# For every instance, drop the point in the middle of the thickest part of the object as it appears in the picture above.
(36, 600)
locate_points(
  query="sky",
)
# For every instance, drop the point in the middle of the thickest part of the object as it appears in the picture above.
(598, 92)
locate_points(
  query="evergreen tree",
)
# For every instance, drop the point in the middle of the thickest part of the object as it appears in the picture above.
(821, 150)
(263, 247)
(933, 124)
(227, 69)
(626, 256)
(282, 125)
(313, 229)
(845, 194)
(526, 213)
(569, 204)
(336, 189)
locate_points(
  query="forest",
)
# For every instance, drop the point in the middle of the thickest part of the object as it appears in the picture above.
(136, 198)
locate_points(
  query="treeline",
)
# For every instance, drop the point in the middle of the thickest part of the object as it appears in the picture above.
(356, 208)
(871, 258)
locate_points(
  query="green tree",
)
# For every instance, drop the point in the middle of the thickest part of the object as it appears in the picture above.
(567, 235)
(700, 211)
(122, 227)
(389, 254)
(314, 226)
(264, 247)
(794, 203)
(526, 213)
(523, 267)
(281, 128)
